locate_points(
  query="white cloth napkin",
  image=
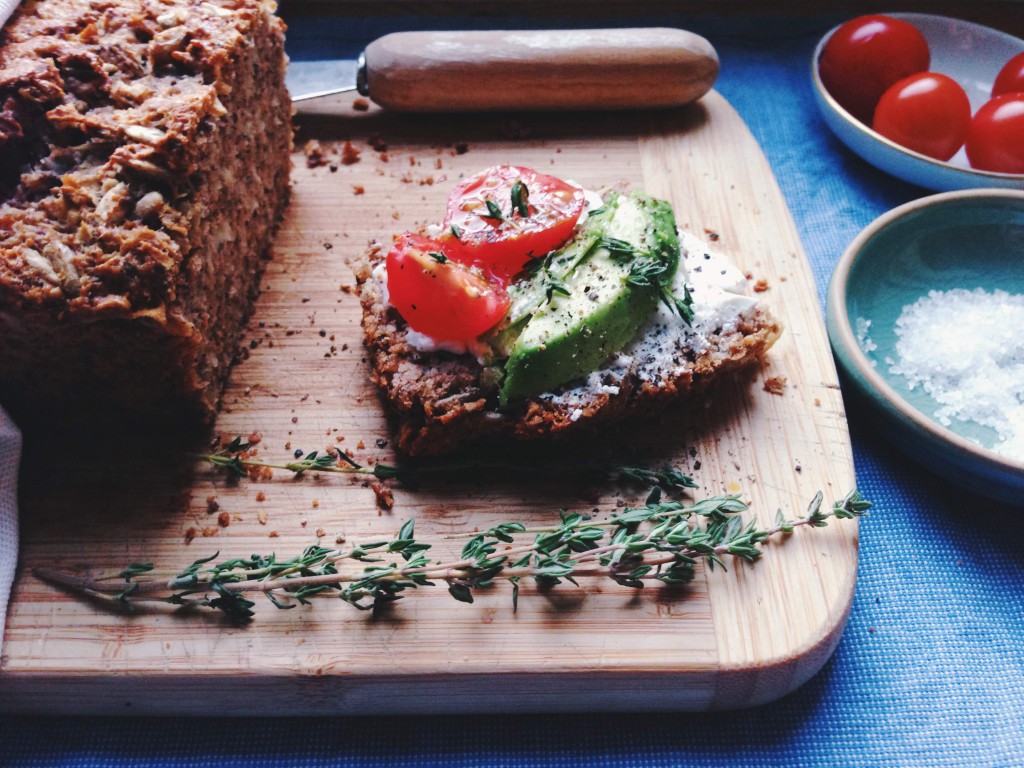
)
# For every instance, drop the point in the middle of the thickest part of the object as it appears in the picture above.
(6, 9)
(10, 456)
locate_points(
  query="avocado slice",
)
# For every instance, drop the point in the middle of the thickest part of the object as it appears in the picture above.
(530, 293)
(608, 287)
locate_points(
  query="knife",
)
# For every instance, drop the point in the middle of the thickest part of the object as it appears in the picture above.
(575, 69)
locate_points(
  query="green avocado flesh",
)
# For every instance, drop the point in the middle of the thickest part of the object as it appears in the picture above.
(556, 336)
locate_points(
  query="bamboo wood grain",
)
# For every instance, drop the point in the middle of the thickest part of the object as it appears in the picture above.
(539, 69)
(730, 639)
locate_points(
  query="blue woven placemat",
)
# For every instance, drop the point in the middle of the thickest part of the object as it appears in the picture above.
(930, 671)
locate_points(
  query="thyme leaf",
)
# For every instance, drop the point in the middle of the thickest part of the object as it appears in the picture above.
(520, 198)
(553, 285)
(493, 211)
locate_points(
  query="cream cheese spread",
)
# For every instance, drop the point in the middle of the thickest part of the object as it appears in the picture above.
(660, 350)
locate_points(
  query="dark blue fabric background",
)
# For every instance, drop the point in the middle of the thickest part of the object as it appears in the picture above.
(930, 671)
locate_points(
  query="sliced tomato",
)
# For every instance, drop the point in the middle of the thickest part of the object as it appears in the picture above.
(506, 215)
(441, 298)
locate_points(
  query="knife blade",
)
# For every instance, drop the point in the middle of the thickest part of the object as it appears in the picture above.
(580, 69)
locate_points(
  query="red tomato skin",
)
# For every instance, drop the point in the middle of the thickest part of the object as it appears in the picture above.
(446, 300)
(503, 247)
(1011, 77)
(927, 113)
(865, 56)
(995, 139)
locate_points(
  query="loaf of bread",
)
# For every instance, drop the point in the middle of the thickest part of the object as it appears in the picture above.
(144, 161)
(441, 400)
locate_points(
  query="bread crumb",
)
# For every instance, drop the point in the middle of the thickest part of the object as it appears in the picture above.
(261, 516)
(360, 105)
(190, 534)
(209, 531)
(775, 384)
(223, 519)
(212, 505)
(350, 153)
(315, 154)
(320, 533)
(261, 496)
(272, 535)
(358, 189)
(761, 286)
(385, 498)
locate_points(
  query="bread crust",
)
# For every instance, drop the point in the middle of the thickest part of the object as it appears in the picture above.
(145, 159)
(442, 401)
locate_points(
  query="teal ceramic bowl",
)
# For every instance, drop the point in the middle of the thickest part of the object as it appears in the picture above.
(972, 239)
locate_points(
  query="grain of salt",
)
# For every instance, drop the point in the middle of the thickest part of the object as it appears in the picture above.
(965, 348)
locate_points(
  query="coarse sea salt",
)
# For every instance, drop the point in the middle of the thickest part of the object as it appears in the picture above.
(965, 348)
(864, 339)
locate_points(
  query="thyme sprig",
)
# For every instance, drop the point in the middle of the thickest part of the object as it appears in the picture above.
(649, 270)
(658, 542)
(235, 458)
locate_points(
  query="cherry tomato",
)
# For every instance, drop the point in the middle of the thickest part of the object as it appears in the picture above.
(995, 139)
(441, 298)
(927, 112)
(506, 215)
(1011, 77)
(865, 56)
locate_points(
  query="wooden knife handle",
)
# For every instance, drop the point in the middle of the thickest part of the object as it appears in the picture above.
(545, 70)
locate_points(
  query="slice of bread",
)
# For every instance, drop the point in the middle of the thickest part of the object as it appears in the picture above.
(442, 400)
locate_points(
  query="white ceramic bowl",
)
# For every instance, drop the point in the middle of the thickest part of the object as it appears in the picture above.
(969, 53)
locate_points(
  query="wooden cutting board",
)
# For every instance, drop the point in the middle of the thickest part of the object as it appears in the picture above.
(729, 640)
